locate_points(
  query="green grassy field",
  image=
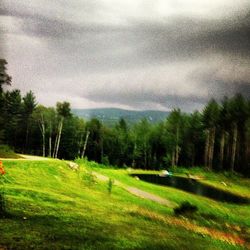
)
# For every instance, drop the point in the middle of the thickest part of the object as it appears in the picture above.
(49, 206)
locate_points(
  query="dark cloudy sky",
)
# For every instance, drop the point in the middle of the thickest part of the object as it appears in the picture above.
(135, 54)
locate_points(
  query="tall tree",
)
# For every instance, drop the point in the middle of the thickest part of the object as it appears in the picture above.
(45, 118)
(123, 142)
(210, 120)
(174, 123)
(142, 152)
(94, 149)
(5, 79)
(12, 114)
(193, 139)
(63, 111)
(239, 116)
(224, 126)
(29, 104)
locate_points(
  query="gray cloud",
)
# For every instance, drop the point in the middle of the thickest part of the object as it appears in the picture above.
(108, 56)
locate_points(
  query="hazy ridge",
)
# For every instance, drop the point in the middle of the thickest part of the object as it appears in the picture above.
(113, 115)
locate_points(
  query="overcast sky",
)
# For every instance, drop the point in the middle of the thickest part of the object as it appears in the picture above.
(134, 54)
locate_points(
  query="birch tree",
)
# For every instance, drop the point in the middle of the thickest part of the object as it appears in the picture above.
(63, 111)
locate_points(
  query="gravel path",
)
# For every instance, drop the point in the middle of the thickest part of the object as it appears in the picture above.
(137, 192)
(27, 157)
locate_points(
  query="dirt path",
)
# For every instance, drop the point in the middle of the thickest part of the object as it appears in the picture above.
(27, 157)
(137, 192)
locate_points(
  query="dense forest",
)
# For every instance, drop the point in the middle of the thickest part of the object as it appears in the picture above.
(217, 138)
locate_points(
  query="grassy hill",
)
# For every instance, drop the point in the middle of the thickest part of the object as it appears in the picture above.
(110, 116)
(49, 206)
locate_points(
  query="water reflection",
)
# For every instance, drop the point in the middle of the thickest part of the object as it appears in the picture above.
(194, 187)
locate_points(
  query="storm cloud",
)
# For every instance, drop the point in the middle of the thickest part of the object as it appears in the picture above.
(128, 54)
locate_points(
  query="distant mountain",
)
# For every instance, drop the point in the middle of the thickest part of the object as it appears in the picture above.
(110, 116)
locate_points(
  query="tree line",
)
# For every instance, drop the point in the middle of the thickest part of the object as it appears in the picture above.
(218, 137)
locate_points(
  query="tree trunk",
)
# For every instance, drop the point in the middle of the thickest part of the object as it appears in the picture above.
(177, 153)
(50, 139)
(134, 156)
(27, 136)
(80, 145)
(173, 158)
(44, 143)
(238, 156)
(222, 145)
(50, 142)
(211, 148)
(101, 150)
(235, 133)
(193, 156)
(59, 137)
(206, 148)
(55, 144)
(42, 129)
(145, 154)
(85, 144)
(177, 146)
(227, 155)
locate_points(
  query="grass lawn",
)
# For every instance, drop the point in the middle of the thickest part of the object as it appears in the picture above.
(49, 206)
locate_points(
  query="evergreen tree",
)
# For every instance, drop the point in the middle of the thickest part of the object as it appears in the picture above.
(210, 121)
(5, 79)
(29, 104)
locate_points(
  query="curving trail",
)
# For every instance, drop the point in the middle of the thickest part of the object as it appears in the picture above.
(137, 192)
(27, 157)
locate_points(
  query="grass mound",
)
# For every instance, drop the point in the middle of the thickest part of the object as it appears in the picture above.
(6, 152)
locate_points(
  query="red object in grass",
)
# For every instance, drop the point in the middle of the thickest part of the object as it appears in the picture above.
(2, 171)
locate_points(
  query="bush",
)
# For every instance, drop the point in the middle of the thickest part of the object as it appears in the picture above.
(2, 205)
(105, 160)
(89, 178)
(7, 152)
(110, 185)
(185, 208)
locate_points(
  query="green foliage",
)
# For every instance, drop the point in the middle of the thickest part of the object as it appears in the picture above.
(185, 208)
(89, 179)
(211, 114)
(63, 109)
(7, 152)
(5, 79)
(29, 103)
(105, 160)
(110, 185)
(3, 211)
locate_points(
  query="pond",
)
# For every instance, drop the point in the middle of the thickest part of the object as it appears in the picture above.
(193, 186)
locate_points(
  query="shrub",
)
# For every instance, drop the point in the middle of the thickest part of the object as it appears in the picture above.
(2, 199)
(185, 208)
(89, 178)
(110, 185)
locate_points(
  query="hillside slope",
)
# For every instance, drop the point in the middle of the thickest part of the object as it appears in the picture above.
(49, 206)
